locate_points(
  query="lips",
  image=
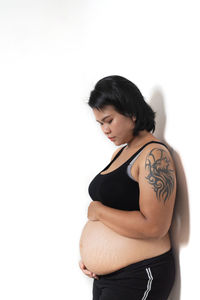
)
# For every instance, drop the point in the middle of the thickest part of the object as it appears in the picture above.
(111, 138)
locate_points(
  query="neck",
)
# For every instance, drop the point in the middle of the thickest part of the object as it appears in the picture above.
(136, 141)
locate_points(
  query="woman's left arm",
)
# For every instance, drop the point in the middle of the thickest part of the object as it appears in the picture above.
(157, 184)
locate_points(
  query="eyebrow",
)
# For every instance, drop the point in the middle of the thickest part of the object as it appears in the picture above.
(104, 118)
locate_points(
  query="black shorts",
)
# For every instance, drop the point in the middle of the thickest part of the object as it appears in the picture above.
(149, 279)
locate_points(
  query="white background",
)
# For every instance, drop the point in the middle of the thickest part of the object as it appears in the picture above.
(51, 55)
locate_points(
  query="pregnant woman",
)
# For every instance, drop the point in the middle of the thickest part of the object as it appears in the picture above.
(125, 245)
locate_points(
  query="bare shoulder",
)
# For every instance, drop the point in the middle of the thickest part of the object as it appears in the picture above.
(157, 154)
(115, 152)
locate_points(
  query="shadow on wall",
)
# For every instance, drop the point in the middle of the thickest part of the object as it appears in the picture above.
(180, 228)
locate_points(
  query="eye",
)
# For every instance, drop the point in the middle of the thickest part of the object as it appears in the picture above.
(109, 122)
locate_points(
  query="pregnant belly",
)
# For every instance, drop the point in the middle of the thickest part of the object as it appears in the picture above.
(104, 251)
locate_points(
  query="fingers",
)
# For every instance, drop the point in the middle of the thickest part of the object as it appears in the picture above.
(86, 271)
(81, 265)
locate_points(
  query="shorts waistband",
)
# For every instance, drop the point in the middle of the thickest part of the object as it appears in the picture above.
(146, 262)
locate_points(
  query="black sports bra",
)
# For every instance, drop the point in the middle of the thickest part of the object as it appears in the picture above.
(118, 189)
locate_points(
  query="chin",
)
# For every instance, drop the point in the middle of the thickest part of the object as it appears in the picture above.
(117, 143)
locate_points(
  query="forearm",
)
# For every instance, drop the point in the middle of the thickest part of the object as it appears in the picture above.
(131, 224)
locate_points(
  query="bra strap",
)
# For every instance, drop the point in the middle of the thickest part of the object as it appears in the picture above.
(138, 151)
(138, 154)
(151, 142)
(118, 153)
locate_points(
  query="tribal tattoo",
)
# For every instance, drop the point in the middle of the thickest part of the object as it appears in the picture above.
(160, 176)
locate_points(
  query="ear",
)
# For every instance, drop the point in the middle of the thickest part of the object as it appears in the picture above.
(133, 118)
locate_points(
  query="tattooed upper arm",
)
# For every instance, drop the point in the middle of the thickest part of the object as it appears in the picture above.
(157, 184)
(160, 173)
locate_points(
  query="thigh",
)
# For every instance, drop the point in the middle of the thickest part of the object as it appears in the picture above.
(120, 294)
(115, 294)
(96, 291)
(128, 287)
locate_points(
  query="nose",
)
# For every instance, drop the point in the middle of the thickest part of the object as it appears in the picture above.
(106, 129)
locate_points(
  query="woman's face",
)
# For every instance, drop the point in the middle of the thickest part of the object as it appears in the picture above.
(115, 125)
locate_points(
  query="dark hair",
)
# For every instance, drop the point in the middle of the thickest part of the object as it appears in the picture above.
(126, 98)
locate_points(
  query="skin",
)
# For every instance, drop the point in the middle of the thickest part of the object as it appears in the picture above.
(152, 221)
(122, 128)
(116, 125)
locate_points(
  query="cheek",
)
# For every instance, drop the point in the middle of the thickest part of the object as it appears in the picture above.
(124, 129)
(116, 126)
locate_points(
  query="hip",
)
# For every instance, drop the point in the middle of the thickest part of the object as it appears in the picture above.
(151, 278)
